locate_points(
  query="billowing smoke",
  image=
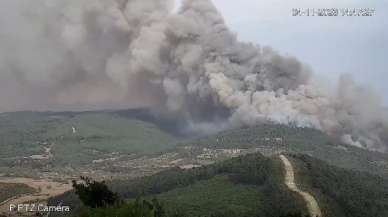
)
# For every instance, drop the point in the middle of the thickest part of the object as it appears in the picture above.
(87, 54)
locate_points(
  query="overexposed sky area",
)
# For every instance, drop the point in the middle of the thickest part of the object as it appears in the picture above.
(330, 45)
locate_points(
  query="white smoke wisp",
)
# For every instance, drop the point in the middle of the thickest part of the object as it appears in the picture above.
(85, 54)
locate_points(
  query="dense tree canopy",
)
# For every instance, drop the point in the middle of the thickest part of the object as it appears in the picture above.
(95, 194)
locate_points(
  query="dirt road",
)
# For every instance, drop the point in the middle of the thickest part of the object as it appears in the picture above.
(44, 190)
(311, 203)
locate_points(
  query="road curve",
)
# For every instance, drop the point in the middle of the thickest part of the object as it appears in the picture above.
(311, 203)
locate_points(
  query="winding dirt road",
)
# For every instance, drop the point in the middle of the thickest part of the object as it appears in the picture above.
(311, 203)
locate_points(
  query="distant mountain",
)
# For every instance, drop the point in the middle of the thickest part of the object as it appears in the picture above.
(271, 139)
(105, 139)
(75, 139)
(172, 126)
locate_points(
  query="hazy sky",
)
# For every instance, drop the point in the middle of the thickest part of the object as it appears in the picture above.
(330, 45)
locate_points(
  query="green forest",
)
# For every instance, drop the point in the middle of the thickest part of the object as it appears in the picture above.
(252, 185)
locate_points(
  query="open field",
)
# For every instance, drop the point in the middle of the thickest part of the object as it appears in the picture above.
(9, 190)
(41, 191)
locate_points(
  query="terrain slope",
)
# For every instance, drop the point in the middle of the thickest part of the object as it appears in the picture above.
(312, 204)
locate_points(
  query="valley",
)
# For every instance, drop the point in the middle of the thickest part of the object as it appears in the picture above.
(45, 151)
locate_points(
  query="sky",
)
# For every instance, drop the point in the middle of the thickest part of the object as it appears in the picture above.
(330, 45)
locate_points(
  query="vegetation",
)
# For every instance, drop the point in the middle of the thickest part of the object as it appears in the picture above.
(252, 185)
(298, 140)
(97, 134)
(21, 132)
(95, 194)
(249, 185)
(340, 192)
(245, 186)
(105, 203)
(145, 208)
(139, 208)
(8, 190)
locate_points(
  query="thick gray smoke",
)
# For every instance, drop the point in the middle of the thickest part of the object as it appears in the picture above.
(86, 54)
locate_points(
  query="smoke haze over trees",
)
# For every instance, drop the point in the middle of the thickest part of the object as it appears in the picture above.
(99, 54)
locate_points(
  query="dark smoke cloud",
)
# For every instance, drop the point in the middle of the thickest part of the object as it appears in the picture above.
(87, 54)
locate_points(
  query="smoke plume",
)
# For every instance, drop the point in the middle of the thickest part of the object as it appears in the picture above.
(88, 54)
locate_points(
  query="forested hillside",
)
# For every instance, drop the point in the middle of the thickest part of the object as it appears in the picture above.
(253, 185)
(32, 139)
(245, 186)
(340, 192)
(52, 141)
(272, 138)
